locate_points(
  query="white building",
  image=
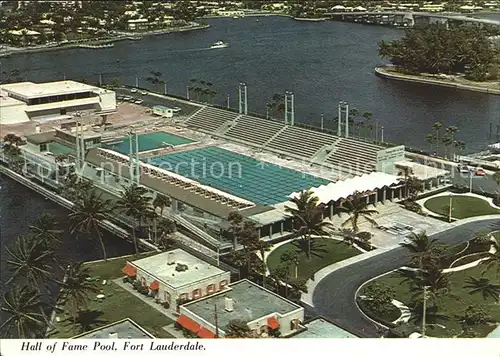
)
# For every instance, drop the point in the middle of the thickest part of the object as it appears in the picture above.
(262, 310)
(26, 101)
(176, 276)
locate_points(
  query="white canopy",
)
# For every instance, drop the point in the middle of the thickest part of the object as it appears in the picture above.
(338, 7)
(24, 32)
(345, 188)
(359, 8)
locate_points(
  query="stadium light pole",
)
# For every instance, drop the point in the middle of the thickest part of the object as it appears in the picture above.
(228, 101)
(382, 134)
(322, 120)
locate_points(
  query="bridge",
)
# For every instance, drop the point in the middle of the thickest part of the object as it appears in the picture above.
(406, 18)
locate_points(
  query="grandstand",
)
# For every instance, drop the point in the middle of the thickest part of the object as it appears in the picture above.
(254, 130)
(210, 119)
(342, 154)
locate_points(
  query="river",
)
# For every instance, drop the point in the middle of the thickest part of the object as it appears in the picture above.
(322, 63)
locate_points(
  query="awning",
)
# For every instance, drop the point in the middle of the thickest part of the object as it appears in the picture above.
(206, 334)
(273, 323)
(188, 323)
(130, 270)
(155, 285)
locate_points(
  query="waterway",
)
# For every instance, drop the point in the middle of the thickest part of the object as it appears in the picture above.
(322, 63)
(20, 207)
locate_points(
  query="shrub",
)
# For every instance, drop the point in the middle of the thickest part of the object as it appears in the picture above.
(166, 305)
(379, 298)
(125, 279)
(476, 315)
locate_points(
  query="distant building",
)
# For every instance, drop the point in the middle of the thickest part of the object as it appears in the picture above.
(123, 329)
(138, 24)
(262, 310)
(176, 276)
(27, 101)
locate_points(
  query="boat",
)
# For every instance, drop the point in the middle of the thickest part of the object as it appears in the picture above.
(219, 44)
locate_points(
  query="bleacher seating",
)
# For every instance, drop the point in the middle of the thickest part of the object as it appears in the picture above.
(254, 130)
(210, 119)
(355, 155)
(301, 142)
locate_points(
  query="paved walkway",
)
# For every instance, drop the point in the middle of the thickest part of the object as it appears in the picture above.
(495, 334)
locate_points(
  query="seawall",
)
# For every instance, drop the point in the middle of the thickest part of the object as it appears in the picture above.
(383, 73)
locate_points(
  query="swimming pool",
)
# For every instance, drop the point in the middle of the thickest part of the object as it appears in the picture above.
(248, 178)
(149, 141)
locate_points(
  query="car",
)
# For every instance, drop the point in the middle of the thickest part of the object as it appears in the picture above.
(144, 93)
(139, 102)
(176, 109)
(120, 97)
(463, 168)
(480, 172)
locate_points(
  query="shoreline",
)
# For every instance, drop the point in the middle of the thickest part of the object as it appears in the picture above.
(383, 72)
(123, 37)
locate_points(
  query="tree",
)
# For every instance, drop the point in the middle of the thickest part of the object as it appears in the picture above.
(414, 186)
(307, 218)
(493, 259)
(238, 329)
(484, 287)
(88, 214)
(348, 235)
(236, 221)
(379, 298)
(358, 208)
(30, 261)
(420, 245)
(45, 231)
(291, 258)
(436, 49)
(161, 202)
(134, 203)
(26, 318)
(165, 228)
(76, 287)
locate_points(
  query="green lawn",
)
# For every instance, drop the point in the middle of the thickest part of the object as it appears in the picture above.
(119, 304)
(324, 252)
(462, 206)
(454, 304)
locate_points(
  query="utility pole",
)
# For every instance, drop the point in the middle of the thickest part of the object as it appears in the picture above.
(449, 213)
(424, 311)
(216, 322)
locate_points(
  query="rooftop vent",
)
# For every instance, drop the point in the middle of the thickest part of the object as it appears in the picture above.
(113, 335)
(181, 267)
(228, 304)
(170, 258)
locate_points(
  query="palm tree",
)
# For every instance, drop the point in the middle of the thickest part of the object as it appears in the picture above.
(165, 228)
(161, 201)
(45, 231)
(238, 329)
(419, 245)
(348, 235)
(291, 257)
(88, 213)
(134, 203)
(30, 260)
(26, 319)
(75, 288)
(484, 287)
(306, 200)
(236, 221)
(358, 208)
(493, 259)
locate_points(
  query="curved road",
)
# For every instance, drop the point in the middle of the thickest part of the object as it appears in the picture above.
(334, 296)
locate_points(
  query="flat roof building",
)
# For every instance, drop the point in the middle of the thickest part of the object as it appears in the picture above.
(320, 328)
(261, 309)
(175, 277)
(26, 101)
(123, 329)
